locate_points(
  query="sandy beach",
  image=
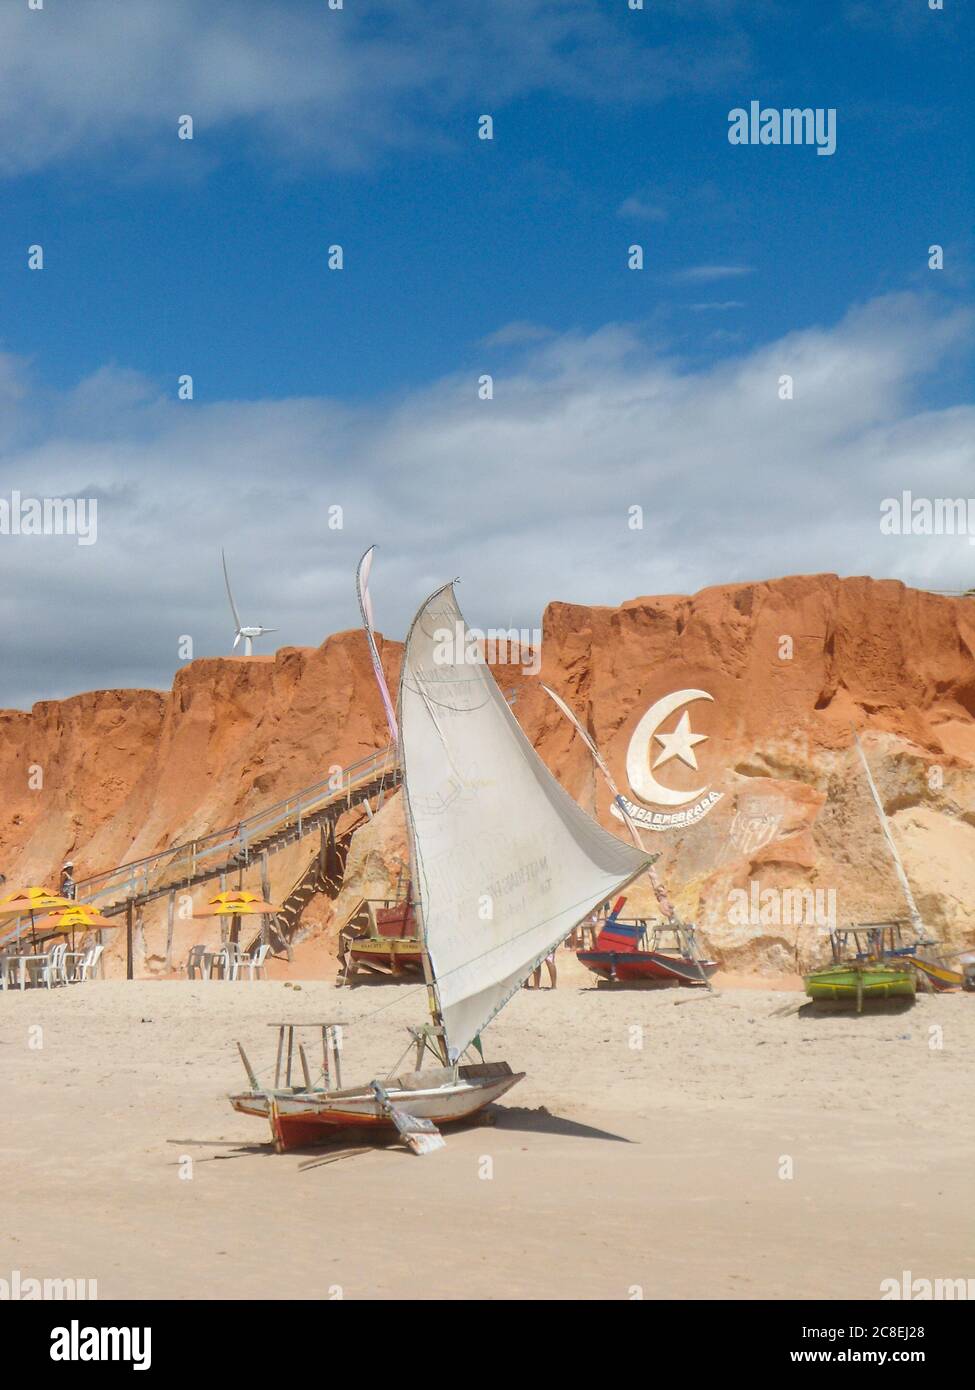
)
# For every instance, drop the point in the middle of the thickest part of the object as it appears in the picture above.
(643, 1153)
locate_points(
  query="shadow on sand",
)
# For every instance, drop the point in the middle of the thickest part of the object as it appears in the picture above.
(842, 1008)
(541, 1121)
(371, 978)
(352, 1142)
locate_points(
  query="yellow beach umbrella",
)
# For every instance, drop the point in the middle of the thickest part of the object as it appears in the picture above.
(237, 907)
(31, 900)
(79, 917)
(241, 897)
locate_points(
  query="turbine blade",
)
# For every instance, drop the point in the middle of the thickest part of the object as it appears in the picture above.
(233, 606)
(238, 637)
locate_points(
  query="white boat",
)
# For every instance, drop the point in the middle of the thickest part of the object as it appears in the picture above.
(441, 1095)
(505, 865)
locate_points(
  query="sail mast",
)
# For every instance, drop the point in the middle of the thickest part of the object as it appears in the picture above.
(365, 608)
(429, 979)
(916, 919)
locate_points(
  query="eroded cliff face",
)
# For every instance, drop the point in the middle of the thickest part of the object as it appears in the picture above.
(791, 666)
(113, 775)
(754, 690)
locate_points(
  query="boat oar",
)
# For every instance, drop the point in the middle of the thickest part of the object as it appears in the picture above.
(421, 1136)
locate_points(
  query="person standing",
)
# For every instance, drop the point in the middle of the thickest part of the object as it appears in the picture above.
(67, 880)
(536, 976)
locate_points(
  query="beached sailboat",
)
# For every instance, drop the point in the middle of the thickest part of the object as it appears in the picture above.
(637, 950)
(860, 973)
(505, 865)
(880, 963)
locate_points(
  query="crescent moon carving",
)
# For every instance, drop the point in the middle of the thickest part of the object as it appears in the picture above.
(638, 773)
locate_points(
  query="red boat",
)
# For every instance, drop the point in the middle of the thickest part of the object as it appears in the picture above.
(633, 951)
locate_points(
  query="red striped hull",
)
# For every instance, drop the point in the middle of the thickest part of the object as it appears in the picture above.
(631, 967)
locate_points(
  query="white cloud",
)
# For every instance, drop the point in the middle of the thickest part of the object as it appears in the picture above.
(642, 210)
(705, 274)
(516, 334)
(300, 80)
(525, 496)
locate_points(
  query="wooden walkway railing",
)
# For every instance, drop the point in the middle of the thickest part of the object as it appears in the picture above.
(233, 847)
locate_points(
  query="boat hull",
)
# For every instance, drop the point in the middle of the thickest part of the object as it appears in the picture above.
(939, 976)
(632, 966)
(299, 1118)
(852, 984)
(389, 955)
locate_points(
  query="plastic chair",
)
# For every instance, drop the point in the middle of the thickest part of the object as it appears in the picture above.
(230, 956)
(8, 960)
(89, 962)
(254, 962)
(53, 970)
(195, 962)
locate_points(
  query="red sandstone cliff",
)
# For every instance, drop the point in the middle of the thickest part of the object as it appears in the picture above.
(127, 772)
(790, 665)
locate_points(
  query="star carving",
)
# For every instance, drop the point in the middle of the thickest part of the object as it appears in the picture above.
(679, 744)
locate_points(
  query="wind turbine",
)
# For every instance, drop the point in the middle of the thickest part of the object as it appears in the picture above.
(248, 633)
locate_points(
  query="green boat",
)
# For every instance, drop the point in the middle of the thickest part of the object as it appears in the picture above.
(860, 980)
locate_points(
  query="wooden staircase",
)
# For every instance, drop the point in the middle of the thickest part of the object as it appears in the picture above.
(233, 848)
(324, 874)
(229, 851)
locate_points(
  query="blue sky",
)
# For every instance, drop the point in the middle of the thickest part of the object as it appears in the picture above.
(211, 256)
(462, 257)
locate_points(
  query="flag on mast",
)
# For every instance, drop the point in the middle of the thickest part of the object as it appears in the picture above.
(365, 608)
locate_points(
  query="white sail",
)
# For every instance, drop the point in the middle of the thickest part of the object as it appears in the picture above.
(505, 862)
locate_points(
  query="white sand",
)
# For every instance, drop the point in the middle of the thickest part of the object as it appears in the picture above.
(655, 1167)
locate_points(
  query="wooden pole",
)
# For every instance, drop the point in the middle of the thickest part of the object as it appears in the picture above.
(277, 1065)
(129, 912)
(170, 923)
(249, 1069)
(917, 922)
(304, 1066)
